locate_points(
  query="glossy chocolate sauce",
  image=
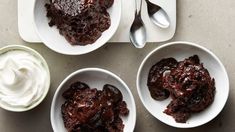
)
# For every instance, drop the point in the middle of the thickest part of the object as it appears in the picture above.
(187, 82)
(90, 110)
(81, 22)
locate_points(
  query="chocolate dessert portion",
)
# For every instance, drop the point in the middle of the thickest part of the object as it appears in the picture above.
(90, 110)
(81, 22)
(189, 84)
(155, 78)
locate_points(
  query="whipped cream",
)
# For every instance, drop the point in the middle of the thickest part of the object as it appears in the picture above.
(23, 78)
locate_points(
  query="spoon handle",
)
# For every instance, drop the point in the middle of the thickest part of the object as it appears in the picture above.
(138, 5)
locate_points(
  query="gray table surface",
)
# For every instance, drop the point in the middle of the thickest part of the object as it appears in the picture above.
(206, 22)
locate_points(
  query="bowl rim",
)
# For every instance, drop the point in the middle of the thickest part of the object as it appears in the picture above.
(187, 44)
(39, 56)
(52, 117)
(86, 51)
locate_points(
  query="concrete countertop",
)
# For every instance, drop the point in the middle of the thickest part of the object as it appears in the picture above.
(208, 23)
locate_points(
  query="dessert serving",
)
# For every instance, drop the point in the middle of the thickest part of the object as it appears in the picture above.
(89, 109)
(81, 22)
(187, 82)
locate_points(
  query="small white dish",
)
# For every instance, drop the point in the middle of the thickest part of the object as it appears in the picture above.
(180, 51)
(95, 78)
(46, 85)
(52, 39)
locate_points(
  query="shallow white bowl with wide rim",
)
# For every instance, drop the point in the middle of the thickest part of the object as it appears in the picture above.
(95, 78)
(180, 51)
(44, 63)
(51, 38)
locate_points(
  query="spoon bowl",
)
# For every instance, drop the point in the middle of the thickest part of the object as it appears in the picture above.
(138, 33)
(138, 30)
(158, 15)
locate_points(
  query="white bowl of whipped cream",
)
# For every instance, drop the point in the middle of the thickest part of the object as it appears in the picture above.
(24, 78)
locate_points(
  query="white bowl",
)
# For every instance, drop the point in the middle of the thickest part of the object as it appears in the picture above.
(51, 38)
(95, 78)
(47, 86)
(180, 51)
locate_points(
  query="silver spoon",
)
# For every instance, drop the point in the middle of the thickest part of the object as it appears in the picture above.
(157, 15)
(137, 30)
